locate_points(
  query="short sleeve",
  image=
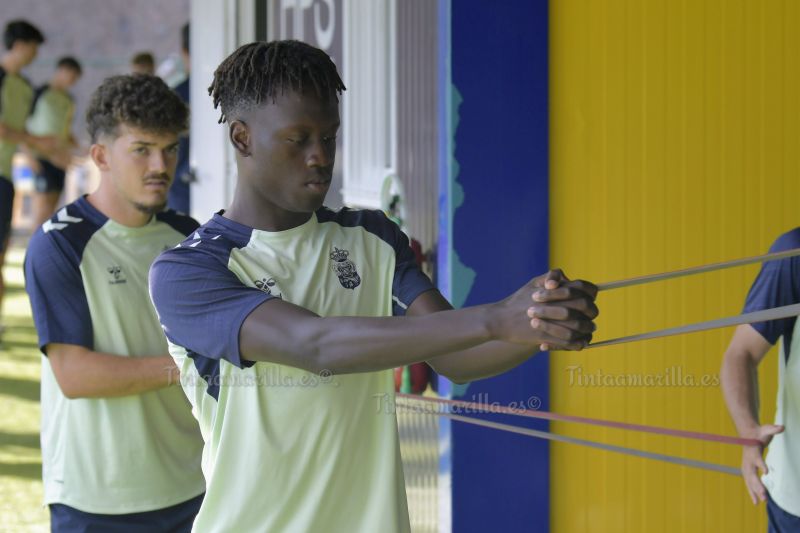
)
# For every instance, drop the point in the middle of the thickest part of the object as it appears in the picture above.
(55, 287)
(777, 284)
(409, 281)
(201, 304)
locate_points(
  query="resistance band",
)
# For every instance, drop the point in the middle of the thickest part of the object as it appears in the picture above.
(746, 318)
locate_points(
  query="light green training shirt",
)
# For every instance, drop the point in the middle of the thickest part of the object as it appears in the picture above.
(287, 450)
(16, 96)
(52, 113)
(86, 276)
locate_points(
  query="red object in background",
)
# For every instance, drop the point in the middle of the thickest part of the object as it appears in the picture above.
(416, 247)
(420, 376)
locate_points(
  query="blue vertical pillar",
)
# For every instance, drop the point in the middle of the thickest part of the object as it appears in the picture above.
(495, 238)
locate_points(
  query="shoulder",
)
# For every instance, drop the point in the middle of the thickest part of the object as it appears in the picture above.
(208, 247)
(66, 233)
(182, 89)
(26, 84)
(787, 241)
(180, 222)
(371, 221)
(38, 94)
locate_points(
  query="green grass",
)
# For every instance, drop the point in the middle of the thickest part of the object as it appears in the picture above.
(20, 455)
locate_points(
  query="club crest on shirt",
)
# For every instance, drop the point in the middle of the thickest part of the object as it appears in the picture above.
(117, 276)
(265, 285)
(344, 269)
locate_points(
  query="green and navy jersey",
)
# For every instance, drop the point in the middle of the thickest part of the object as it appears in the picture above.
(86, 276)
(16, 96)
(285, 449)
(52, 113)
(778, 284)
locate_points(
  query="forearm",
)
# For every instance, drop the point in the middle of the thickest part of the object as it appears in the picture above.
(739, 378)
(13, 135)
(346, 344)
(486, 360)
(100, 375)
(46, 146)
(42, 144)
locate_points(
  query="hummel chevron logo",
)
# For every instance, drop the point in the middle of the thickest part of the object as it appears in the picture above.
(64, 220)
(197, 240)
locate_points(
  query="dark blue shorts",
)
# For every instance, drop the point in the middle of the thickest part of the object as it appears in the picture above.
(175, 519)
(6, 210)
(779, 521)
(50, 179)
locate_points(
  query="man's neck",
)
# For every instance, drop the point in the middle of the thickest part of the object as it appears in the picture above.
(250, 210)
(55, 85)
(120, 212)
(10, 64)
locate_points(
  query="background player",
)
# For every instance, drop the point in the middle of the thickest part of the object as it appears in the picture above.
(120, 448)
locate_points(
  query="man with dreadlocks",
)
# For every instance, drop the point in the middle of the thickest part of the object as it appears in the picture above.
(286, 318)
(120, 447)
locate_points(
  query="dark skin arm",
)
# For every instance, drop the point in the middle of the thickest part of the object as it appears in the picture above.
(283, 333)
(496, 357)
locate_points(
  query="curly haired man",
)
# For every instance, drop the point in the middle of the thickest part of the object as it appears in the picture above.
(120, 447)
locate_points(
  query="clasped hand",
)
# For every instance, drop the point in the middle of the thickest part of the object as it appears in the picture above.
(550, 311)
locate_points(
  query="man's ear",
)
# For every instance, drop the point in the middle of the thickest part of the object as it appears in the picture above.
(100, 156)
(239, 134)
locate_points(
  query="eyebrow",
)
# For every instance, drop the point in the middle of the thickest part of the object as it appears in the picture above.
(145, 143)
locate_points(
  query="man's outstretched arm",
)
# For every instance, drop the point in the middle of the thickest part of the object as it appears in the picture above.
(280, 332)
(496, 357)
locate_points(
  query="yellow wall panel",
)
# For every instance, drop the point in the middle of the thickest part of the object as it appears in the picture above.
(675, 141)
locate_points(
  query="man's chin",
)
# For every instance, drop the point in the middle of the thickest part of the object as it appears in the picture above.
(151, 209)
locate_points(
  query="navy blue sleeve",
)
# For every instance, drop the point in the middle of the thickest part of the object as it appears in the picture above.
(55, 288)
(409, 280)
(180, 222)
(777, 284)
(200, 303)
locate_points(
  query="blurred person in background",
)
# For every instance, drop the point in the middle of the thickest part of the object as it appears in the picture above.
(120, 448)
(22, 40)
(143, 63)
(180, 192)
(53, 110)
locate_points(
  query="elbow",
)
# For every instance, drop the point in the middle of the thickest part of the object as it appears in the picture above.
(71, 388)
(458, 380)
(70, 391)
(321, 363)
(311, 354)
(451, 374)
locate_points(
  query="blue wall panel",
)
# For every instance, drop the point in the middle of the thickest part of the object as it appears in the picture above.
(500, 234)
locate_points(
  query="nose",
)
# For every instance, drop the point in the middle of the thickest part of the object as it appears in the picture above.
(320, 154)
(157, 162)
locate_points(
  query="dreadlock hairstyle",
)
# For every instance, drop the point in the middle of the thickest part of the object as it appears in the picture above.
(261, 70)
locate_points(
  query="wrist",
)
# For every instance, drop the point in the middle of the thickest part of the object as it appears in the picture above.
(492, 321)
(750, 430)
